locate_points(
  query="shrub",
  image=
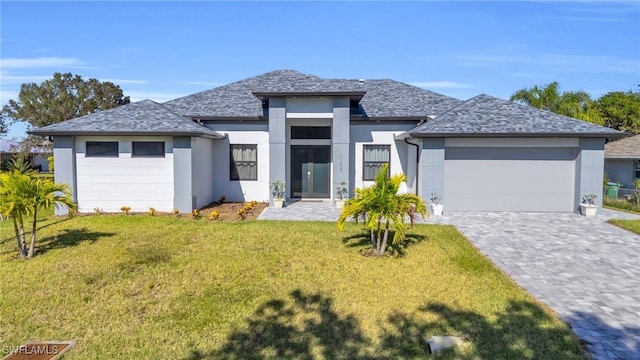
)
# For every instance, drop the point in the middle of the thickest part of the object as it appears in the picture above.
(622, 204)
(125, 209)
(214, 215)
(176, 212)
(195, 213)
(151, 211)
(97, 210)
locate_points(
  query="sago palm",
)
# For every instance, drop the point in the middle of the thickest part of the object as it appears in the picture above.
(380, 206)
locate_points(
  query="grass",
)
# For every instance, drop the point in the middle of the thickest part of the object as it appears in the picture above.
(621, 204)
(631, 225)
(162, 287)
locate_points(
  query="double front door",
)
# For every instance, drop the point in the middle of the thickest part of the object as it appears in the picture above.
(310, 172)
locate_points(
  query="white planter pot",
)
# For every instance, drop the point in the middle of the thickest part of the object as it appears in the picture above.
(588, 210)
(436, 210)
(339, 204)
(277, 203)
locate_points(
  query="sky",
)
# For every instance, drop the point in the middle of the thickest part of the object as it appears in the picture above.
(165, 50)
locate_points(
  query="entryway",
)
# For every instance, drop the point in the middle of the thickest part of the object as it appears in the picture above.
(310, 171)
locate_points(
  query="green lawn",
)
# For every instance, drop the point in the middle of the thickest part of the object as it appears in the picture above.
(631, 225)
(167, 288)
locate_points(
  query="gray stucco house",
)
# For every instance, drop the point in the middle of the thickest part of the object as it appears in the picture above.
(622, 161)
(483, 154)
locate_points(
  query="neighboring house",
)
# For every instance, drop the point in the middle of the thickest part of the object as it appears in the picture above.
(37, 157)
(483, 154)
(622, 161)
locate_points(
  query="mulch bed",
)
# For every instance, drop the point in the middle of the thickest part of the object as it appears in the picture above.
(229, 211)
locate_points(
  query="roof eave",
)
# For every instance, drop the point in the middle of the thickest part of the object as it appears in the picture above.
(262, 95)
(127, 133)
(622, 157)
(417, 134)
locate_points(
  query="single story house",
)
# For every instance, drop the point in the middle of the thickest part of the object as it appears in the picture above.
(622, 161)
(483, 154)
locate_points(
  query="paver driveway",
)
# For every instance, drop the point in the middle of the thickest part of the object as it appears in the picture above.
(586, 270)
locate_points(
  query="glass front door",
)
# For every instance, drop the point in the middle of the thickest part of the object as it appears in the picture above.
(310, 171)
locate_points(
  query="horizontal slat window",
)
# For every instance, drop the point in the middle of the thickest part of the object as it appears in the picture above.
(101, 149)
(375, 157)
(147, 149)
(244, 162)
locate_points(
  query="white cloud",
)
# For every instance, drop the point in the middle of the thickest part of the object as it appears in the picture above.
(137, 95)
(441, 85)
(205, 83)
(570, 63)
(6, 95)
(40, 62)
(8, 79)
(126, 81)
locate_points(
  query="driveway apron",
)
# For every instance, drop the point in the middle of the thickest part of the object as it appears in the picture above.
(586, 270)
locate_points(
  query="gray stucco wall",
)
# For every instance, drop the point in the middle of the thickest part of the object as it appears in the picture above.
(182, 174)
(64, 155)
(621, 170)
(589, 170)
(431, 170)
(277, 142)
(340, 143)
(202, 169)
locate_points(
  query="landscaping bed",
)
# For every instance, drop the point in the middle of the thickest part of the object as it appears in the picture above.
(150, 287)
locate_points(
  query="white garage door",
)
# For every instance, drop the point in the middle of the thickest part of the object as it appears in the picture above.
(509, 179)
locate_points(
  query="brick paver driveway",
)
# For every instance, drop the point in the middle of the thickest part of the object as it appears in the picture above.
(586, 270)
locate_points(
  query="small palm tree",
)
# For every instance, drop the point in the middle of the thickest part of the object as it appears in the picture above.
(380, 205)
(24, 196)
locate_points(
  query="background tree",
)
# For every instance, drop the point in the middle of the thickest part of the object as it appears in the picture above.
(621, 110)
(381, 205)
(61, 98)
(576, 104)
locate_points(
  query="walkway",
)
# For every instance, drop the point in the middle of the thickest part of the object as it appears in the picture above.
(586, 270)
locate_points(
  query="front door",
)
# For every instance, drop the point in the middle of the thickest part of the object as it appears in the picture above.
(310, 171)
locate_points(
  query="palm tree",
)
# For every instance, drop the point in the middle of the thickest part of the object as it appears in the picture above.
(24, 196)
(380, 205)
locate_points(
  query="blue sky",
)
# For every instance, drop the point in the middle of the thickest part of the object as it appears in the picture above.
(164, 50)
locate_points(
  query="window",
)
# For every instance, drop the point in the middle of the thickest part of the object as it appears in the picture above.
(147, 149)
(638, 169)
(101, 149)
(244, 162)
(311, 132)
(375, 157)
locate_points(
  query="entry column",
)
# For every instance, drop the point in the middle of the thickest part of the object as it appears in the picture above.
(340, 144)
(277, 140)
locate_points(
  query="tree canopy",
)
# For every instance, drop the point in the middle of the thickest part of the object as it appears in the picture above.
(63, 97)
(617, 109)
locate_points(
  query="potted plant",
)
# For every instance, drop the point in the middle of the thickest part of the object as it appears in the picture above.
(436, 207)
(588, 207)
(278, 189)
(342, 194)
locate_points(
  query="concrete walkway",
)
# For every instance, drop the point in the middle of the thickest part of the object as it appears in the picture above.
(586, 270)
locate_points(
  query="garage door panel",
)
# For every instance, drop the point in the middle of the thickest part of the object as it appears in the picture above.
(509, 185)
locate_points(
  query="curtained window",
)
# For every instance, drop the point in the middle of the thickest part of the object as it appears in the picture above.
(375, 157)
(244, 162)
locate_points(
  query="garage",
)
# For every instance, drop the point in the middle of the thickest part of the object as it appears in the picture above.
(509, 179)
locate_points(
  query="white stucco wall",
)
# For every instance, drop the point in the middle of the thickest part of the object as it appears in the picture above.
(380, 134)
(110, 183)
(240, 190)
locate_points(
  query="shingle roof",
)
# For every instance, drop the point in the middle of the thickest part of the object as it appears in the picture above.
(623, 148)
(485, 115)
(142, 117)
(383, 98)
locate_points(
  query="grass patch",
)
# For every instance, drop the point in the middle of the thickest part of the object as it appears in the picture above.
(621, 204)
(631, 225)
(164, 287)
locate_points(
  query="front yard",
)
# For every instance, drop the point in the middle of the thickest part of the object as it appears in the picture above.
(163, 287)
